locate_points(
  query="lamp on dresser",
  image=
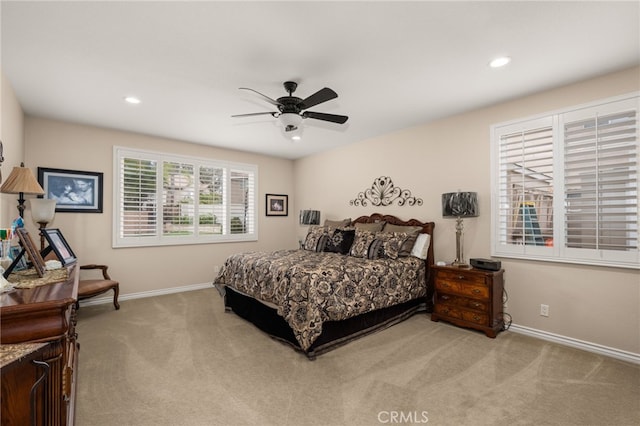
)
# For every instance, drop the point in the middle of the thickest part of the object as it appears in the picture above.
(42, 212)
(459, 205)
(21, 181)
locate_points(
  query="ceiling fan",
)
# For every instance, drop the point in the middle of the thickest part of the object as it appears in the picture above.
(291, 109)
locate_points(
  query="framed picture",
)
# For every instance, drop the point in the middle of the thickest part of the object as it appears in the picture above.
(74, 191)
(31, 250)
(277, 205)
(59, 245)
(21, 264)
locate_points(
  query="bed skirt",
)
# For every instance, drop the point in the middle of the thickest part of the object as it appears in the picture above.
(334, 333)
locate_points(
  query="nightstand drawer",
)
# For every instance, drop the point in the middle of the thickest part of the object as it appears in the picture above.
(480, 291)
(475, 317)
(464, 302)
(461, 276)
(449, 311)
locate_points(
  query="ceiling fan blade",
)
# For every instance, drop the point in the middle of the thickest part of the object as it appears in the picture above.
(341, 119)
(265, 97)
(322, 95)
(274, 114)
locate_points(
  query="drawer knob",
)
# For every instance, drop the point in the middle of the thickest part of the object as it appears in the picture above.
(461, 277)
(476, 305)
(444, 297)
(475, 291)
(477, 318)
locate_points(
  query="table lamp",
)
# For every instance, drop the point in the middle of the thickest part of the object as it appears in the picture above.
(21, 181)
(309, 217)
(459, 205)
(42, 212)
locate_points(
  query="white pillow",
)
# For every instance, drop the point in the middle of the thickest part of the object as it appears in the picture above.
(421, 246)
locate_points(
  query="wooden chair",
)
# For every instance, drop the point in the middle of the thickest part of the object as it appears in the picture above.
(92, 287)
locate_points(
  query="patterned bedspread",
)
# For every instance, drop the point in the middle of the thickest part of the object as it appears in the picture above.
(310, 288)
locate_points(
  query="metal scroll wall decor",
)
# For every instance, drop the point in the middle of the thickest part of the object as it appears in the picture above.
(384, 193)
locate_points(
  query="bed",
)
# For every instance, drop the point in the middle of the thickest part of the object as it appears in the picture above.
(346, 281)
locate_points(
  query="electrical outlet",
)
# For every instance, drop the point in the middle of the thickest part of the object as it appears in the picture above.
(544, 310)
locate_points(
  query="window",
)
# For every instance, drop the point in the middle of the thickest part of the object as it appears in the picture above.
(164, 199)
(566, 185)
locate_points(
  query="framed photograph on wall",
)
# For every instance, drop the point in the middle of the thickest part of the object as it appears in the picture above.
(277, 205)
(59, 245)
(75, 191)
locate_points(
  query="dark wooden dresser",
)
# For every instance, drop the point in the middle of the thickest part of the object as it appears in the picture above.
(469, 297)
(43, 314)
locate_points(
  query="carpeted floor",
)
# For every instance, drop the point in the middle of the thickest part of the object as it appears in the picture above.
(181, 360)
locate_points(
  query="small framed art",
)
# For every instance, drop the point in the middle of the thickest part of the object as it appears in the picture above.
(31, 250)
(277, 205)
(59, 245)
(74, 191)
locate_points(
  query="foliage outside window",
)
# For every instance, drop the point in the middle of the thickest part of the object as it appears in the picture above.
(165, 199)
(566, 185)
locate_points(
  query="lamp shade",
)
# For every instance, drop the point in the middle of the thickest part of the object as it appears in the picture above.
(21, 180)
(460, 204)
(42, 210)
(309, 217)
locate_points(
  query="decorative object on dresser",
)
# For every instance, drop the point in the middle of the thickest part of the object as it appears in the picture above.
(30, 249)
(459, 205)
(44, 314)
(469, 298)
(21, 181)
(42, 212)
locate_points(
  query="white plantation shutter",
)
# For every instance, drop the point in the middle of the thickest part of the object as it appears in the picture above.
(566, 186)
(601, 178)
(164, 199)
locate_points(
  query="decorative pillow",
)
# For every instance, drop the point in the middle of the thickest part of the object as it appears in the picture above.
(340, 241)
(361, 243)
(375, 250)
(391, 243)
(316, 238)
(337, 223)
(411, 231)
(421, 247)
(373, 227)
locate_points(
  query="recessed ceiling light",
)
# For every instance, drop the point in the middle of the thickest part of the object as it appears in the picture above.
(500, 62)
(132, 100)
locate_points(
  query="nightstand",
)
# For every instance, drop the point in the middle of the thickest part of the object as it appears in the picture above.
(469, 297)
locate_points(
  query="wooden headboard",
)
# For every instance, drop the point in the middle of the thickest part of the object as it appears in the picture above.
(427, 228)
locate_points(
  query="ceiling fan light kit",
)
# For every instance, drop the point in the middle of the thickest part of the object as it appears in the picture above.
(291, 109)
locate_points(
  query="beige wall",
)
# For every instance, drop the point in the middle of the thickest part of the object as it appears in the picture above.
(594, 304)
(11, 134)
(70, 146)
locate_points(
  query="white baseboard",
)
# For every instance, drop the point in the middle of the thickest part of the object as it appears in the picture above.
(575, 343)
(143, 294)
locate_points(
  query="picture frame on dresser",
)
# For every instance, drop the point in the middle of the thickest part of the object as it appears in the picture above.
(29, 248)
(58, 244)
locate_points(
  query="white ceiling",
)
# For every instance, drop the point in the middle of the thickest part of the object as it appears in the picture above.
(393, 64)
